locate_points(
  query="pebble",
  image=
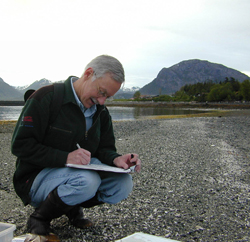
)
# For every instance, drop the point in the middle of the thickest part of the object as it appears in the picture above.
(194, 184)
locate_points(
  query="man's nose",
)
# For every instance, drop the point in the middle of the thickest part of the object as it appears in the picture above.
(101, 100)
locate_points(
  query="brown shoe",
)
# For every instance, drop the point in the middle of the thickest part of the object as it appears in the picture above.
(76, 218)
(41, 238)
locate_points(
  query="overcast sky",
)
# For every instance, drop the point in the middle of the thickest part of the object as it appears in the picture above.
(54, 39)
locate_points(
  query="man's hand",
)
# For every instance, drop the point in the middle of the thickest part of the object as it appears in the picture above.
(128, 160)
(79, 157)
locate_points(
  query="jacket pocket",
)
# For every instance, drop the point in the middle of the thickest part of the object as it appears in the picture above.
(59, 138)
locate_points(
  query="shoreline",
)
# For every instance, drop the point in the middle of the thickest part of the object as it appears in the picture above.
(207, 105)
(210, 113)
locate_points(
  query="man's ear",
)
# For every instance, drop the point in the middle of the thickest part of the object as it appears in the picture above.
(88, 73)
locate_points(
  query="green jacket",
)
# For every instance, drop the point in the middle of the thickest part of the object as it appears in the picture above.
(39, 144)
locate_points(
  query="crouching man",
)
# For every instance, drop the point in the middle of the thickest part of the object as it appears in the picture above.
(44, 148)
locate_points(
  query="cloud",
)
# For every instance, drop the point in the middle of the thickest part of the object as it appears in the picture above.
(57, 38)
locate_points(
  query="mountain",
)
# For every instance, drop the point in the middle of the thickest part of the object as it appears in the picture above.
(169, 80)
(126, 93)
(35, 85)
(128, 90)
(8, 93)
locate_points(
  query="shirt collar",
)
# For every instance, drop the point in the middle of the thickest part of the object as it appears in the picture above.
(88, 112)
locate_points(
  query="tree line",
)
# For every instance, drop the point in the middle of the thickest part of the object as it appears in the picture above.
(208, 91)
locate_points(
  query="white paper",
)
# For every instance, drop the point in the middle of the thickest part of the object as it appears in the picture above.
(141, 237)
(102, 167)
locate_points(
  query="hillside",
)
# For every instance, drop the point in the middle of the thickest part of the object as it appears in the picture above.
(169, 80)
(8, 93)
(36, 85)
(126, 93)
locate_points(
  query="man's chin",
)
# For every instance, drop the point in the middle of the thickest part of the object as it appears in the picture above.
(88, 104)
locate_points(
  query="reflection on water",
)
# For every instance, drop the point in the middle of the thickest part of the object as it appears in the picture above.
(121, 113)
(117, 113)
(130, 113)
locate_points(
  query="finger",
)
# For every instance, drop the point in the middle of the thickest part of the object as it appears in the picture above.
(138, 162)
(138, 165)
(85, 160)
(84, 152)
(87, 152)
(138, 168)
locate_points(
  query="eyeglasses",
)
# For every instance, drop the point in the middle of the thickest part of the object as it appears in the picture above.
(101, 93)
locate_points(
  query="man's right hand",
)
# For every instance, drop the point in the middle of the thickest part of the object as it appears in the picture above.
(79, 157)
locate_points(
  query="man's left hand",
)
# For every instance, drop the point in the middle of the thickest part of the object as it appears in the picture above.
(128, 160)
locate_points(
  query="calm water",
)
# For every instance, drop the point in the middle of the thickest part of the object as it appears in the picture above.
(117, 113)
(10, 112)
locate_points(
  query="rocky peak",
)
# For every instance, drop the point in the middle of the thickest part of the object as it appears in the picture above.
(169, 80)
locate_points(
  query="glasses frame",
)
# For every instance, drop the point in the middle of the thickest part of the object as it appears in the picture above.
(101, 93)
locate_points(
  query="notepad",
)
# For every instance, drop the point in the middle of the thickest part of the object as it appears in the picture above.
(102, 167)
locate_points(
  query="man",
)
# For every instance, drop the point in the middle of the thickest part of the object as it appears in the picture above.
(43, 149)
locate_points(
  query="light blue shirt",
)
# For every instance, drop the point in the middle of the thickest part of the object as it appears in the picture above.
(88, 112)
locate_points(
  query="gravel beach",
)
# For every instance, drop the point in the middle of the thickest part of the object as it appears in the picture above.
(194, 184)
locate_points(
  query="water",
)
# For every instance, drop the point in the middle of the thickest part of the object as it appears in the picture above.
(10, 112)
(132, 113)
(117, 113)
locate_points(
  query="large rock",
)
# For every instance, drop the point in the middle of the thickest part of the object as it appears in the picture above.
(169, 80)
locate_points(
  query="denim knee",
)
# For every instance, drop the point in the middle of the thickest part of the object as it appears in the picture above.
(115, 187)
(126, 184)
(79, 188)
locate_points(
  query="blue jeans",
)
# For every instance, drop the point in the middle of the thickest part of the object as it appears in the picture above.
(75, 186)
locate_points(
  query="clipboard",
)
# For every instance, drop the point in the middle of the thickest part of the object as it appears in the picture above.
(102, 167)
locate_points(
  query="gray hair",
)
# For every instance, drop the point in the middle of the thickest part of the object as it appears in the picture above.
(107, 64)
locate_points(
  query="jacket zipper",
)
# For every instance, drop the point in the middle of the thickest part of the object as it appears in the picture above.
(86, 132)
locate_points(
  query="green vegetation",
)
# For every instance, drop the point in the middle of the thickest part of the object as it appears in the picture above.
(228, 90)
(137, 94)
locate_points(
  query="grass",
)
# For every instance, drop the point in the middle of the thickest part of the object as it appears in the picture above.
(10, 122)
(214, 113)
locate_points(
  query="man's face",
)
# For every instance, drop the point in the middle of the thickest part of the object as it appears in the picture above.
(97, 91)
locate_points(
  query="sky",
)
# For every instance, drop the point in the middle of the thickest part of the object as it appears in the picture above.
(54, 39)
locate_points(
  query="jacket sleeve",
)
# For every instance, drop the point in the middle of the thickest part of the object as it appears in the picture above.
(106, 152)
(27, 141)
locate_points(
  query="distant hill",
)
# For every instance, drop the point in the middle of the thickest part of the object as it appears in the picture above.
(35, 85)
(126, 93)
(9, 93)
(169, 80)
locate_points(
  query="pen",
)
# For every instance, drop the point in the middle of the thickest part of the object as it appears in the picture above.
(132, 156)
